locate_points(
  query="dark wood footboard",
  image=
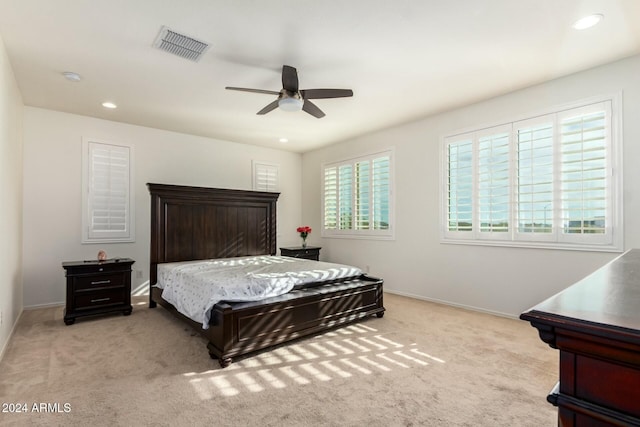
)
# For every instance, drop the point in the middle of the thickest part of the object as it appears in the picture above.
(240, 328)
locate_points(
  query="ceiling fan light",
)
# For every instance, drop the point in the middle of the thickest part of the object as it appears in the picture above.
(290, 104)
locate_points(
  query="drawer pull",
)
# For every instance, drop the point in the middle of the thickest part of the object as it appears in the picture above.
(101, 282)
(100, 299)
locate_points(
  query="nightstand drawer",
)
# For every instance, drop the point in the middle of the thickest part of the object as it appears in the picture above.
(312, 252)
(92, 267)
(305, 254)
(90, 300)
(99, 281)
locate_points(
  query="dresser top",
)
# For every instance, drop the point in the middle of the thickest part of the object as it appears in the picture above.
(607, 299)
(92, 262)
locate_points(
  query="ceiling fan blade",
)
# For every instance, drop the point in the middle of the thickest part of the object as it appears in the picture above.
(289, 78)
(269, 107)
(312, 109)
(244, 89)
(326, 93)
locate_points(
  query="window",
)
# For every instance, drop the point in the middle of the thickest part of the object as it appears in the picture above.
(107, 208)
(357, 198)
(265, 176)
(548, 181)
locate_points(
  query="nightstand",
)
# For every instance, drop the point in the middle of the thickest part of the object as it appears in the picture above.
(310, 252)
(97, 287)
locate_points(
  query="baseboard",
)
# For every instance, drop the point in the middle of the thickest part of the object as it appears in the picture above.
(452, 304)
(13, 328)
(51, 304)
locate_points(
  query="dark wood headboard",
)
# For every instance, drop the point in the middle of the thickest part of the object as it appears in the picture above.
(192, 223)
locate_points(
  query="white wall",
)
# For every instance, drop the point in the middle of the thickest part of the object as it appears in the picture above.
(52, 196)
(10, 199)
(496, 279)
(501, 280)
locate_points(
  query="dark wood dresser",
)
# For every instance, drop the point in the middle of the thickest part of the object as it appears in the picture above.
(595, 324)
(310, 252)
(97, 287)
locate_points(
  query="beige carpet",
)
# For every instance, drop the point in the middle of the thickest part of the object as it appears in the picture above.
(423, 364)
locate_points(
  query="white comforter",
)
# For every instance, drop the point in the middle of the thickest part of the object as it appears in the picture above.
(194, 287)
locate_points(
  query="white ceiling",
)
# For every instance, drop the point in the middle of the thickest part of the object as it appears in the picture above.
(404, 59)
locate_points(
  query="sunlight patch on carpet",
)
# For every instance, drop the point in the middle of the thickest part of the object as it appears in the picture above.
(346, 353)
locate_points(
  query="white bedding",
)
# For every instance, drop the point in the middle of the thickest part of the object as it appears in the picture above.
(194, 287)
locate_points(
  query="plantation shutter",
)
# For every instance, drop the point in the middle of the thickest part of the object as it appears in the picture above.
(362, 196)
(381, 192)
(552, 180)
(357, 196)
(494, 180)
(460, 185)
(331, 198)
(265, 177)
(584, 137)
(535, 183)
(108, 211)
(345, 193)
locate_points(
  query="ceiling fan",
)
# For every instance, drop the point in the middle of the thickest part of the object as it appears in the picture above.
(291, 98)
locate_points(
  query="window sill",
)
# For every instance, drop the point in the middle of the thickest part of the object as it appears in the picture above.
(535, 245)
(358, 236)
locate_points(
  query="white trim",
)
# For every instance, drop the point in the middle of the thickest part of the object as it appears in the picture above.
(255, 164)
(5, 346)
(452, 304)
(532, 245)
(129, 236)
(46, 305)
(617, 177)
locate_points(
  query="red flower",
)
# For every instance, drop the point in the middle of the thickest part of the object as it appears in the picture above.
(304, 231)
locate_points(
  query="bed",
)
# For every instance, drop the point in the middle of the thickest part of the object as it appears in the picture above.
(198, 223)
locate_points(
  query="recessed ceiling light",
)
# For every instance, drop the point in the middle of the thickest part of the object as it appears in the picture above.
(587, 21)
(71, 76)
(109, 105)
(284, 140)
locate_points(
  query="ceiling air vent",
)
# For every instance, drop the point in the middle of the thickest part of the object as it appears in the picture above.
(179, 44)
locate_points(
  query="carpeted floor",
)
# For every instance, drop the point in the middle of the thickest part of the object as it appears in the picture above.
(422, 364)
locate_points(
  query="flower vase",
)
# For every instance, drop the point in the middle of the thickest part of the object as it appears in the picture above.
(304, 242)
